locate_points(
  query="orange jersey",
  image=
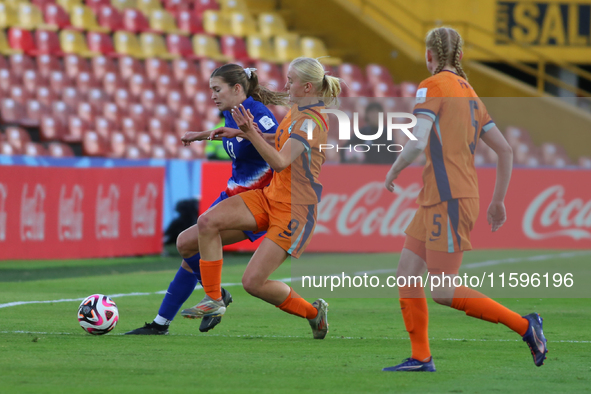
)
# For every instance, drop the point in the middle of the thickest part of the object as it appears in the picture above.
(459, 119)
(298, 183)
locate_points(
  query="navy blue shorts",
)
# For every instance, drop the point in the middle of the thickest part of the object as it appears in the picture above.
(249, 234)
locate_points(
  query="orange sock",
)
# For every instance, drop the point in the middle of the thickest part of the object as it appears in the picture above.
(416, 319)
(211, 278)
(296, 305)
(477, 305)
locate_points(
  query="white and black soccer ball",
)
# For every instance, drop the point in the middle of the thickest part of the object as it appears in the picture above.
(98, 314)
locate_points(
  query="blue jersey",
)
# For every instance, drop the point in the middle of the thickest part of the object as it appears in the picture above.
(249, 169)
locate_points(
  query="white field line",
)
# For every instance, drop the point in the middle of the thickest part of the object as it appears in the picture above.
(487, 263)
(296, 336)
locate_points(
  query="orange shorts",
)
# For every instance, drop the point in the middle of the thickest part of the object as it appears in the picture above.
(288, 225)
(446, 226)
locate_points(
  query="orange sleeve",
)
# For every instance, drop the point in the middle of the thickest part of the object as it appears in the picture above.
(308, 130)
(428, 100)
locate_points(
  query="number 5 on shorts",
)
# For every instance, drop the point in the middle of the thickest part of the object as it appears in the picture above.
(436, 217)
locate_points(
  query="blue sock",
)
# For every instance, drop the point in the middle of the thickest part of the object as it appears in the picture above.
(178, 292)
(193, 262)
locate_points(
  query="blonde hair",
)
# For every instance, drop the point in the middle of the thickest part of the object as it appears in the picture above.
(446, 44)
(234, 74)
(311, 70)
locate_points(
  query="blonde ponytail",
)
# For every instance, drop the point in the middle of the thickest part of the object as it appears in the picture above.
(311, 70)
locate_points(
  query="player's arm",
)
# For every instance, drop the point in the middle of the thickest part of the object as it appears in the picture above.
(496, 214)
(278, 161)
(215, 134)
(411, 150)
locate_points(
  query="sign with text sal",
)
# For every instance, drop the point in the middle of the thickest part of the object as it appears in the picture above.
(55, 213)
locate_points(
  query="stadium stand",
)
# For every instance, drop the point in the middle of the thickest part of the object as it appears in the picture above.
(127, 78)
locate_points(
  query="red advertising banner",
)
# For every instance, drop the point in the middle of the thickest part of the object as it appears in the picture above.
(55, 212)
(546, 208)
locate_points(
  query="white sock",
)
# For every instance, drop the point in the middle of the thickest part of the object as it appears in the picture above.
(162, 321)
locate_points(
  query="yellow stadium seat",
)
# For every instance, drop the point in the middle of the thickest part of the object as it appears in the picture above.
(82, 17)
(68, 5)
(242, 24)
(287, 47)
(126, 43)
(31, 18)
(14, 4)
(271, 24)
(5, 49)
(147, 6)
(259, 48)
(314, 47)
(153, 45)
(215, 22)
(233, 5)
(121, 4)
(163, 21)
(73, 41)
(207, 46)
(8, 16)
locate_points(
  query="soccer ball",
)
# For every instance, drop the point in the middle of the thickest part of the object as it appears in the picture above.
(98, 314)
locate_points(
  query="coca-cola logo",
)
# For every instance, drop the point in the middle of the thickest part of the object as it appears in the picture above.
(143, 222)
(71, 215)
(107, 212)
(551, 215)
(3, 195)
(32, 214)
(368, 210)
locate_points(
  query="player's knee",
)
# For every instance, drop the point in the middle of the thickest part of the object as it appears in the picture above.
(251, 285)
(186, 245)
(205, 223)
(442, 296)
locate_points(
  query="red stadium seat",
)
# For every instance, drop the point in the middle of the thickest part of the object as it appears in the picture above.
(74, 65)
(207, 67)
(384, 89)
(178, 5)
(35, 149)
(201, 6)
(22, 40)
(100, 65)
(86, 112)
(235, 48)
(17, 137)
(58, 81)
(189, 22)
(164, 84)
(584, 162)
(76, 129)
(408, 89)
(149, 100)
(123, 99)
(158, 152)
(85, 82)
(6, 149)
(144, 143)
(58, 149)
(100, 43)
(132, 152)
(110, 17)
(46, 64)
(20, 63)
(350, 72)
(202, 101)
(112, 82)
(180, 45)
(139, 115)
(97, 98)
(175, 100)
(31, 80)
(117, 145)
(377, 73)
(34, 111)
(93, 144)
(268, 71)
(156, 130)
(45, 95)
(188, 113)
(181, 126)
(61, 111)
(19, 94)
(7, 80)
(185, 153)
(134, 21)
(191, 86)
(113, 113)
(130, 128)
(137, 84)
(55, 15)
(42, 3)
(182, 68)
(104, 127)
(96, 5)
(48, 43)
(129, 66)
(51, 128)
(156, 67)
(172, 144)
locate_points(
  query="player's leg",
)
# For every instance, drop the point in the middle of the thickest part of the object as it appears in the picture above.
(230, 214)
(472, 302)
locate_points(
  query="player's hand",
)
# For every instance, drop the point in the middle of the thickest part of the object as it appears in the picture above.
(390, 178)
(496, 215)
(243, 118)
(225, 132)
(190, 136)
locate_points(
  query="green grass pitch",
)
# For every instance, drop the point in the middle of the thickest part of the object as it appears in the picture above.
(259, 349)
